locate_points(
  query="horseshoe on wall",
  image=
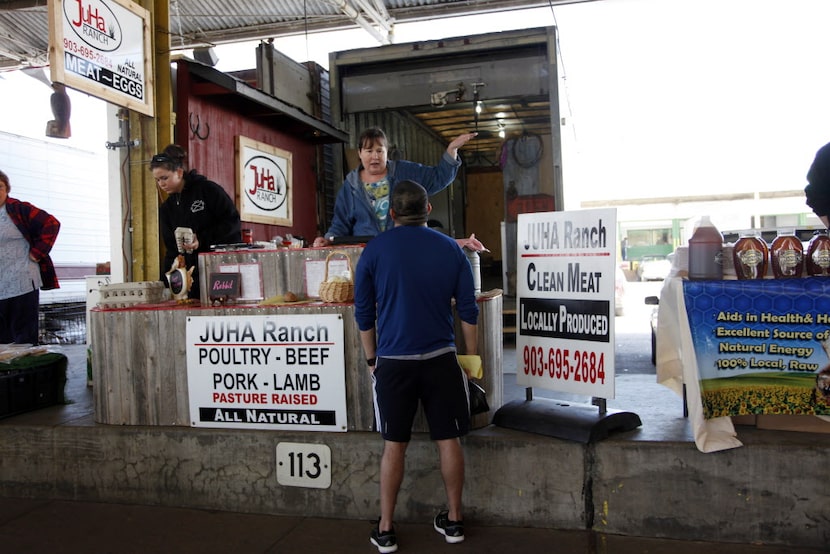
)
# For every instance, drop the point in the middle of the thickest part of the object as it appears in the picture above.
(196, 128)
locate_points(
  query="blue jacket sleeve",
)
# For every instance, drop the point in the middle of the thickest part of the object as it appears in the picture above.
(353, 216)
(344, 213)
(433, 178)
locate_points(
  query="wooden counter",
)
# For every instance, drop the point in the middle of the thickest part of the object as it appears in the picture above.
(278, 271)
(139, 361)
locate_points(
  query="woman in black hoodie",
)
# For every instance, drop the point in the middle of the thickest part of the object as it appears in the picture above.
(193, 202)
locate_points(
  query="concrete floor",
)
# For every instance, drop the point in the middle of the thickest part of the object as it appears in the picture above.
(61, 527)
(54, 525)
(41, 522)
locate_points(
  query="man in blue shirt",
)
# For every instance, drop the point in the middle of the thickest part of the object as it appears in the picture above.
(405, 284)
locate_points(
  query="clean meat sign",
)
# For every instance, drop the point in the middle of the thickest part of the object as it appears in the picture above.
(264, 177)
(101, 47)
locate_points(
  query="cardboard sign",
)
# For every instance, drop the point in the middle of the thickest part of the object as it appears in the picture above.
(565, 301)
(283, 372)
(224, 285)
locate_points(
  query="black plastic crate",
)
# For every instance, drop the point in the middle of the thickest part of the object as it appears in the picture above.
(32, 382)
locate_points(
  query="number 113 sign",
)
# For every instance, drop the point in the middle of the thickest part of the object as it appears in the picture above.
(304, 465)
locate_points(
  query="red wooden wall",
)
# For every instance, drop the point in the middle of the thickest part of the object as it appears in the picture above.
(215, 155)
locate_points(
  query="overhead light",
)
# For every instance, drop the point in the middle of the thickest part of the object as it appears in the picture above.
(441, 97)
(501, 129)
(438, 99)
(478, 105)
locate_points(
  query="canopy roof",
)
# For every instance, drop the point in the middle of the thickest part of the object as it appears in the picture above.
(24, 26)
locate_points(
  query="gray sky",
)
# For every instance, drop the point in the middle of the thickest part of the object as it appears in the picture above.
(661, 97)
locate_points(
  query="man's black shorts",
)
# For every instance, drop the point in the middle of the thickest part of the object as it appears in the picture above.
(439, 383)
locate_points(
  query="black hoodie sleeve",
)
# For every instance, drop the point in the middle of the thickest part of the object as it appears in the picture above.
(818, 177)
(225, 226)
(169, 240)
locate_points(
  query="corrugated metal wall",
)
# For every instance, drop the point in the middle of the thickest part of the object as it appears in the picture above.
(327, 179)
(408, 138)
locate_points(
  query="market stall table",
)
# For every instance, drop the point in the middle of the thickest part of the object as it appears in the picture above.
(679, 368)
(140, 354)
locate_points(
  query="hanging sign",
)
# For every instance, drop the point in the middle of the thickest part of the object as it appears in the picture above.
(102, 47)
(264, 178)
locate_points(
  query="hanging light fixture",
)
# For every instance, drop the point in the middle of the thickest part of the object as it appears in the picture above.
(478, 105)
(61, 109)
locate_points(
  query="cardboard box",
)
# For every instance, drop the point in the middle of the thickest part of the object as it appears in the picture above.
(529, 203)
(124, 295)
(803, 423)
(32, 382)
(751, 420)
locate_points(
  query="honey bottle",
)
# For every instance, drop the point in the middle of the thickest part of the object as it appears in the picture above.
(706, 251)
(818, 254)
(750, 255)
(786, 254)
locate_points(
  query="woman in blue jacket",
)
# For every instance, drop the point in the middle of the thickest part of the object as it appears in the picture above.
(362, 204)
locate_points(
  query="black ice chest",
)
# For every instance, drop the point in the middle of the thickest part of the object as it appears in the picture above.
(32, 382)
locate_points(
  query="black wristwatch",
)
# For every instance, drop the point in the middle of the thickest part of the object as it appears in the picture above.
(371, 361)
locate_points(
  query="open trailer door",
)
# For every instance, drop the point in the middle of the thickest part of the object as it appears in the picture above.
(424, 94)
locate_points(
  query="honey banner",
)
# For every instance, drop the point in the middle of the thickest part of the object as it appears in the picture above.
(761, 345)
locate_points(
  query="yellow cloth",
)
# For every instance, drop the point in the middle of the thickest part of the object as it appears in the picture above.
(472, 365)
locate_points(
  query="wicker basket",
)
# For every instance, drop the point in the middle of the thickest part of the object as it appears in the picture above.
(337, 291)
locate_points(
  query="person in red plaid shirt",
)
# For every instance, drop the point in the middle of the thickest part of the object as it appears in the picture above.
(27, 234)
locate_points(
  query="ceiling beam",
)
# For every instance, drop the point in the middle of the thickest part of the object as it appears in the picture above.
(373, 16)
(21, 4)
(354, 13)
(397, 15)
(377, 12)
